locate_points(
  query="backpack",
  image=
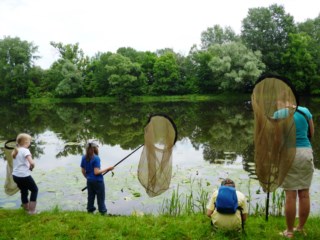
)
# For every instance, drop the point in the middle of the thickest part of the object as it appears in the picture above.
(227, 200)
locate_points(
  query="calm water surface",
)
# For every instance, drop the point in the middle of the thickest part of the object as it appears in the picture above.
(214, 141)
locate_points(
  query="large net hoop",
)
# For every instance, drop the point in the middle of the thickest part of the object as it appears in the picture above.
(10, 187)
(155, 166)
(274, 102)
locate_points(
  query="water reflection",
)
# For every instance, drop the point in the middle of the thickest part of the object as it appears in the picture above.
(214, 132)
(223, 130)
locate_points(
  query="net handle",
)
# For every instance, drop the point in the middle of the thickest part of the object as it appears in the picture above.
(291, 86)
(119, 162)
(152, 115)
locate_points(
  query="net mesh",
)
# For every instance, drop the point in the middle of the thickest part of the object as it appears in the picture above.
(155, 166)
(274, 103)
(10, 187)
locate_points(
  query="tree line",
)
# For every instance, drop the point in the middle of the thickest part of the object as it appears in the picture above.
(270, 42)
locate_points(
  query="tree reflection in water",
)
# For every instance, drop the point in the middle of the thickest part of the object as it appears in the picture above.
(223, 130)
(220, 133)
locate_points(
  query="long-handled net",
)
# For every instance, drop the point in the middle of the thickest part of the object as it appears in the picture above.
(155, 166)
(274, 102)
(10, 187)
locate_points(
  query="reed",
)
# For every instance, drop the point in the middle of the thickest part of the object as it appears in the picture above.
(195, 200)
(172, 206)
(278, 199)
(188, 203)
(202, 198)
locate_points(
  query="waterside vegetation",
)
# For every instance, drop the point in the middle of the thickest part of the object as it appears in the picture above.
(225, 97)
(270, 42)
(56, 224)
(182, 216)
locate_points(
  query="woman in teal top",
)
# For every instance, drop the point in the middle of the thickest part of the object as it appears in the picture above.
(299, 177)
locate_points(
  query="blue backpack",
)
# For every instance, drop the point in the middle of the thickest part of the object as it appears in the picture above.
(227, 200)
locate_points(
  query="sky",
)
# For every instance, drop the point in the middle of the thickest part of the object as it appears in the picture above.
(145, 25)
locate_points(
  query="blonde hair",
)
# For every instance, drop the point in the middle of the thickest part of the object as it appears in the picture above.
(22, 138)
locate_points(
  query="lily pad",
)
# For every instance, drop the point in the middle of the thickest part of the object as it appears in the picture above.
(136, 194)
(72, 144)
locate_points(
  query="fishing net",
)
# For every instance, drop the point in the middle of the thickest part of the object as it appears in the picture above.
(155, 166)
(274, 102)
(10, 187)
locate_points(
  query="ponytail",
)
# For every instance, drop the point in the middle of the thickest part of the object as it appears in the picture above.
(21, 139)
(15, 152)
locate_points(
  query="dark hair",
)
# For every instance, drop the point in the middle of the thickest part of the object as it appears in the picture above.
(228, 182)
(91, 150)
(282, 78)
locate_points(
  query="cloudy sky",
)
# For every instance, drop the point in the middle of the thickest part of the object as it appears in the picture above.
(106, 25)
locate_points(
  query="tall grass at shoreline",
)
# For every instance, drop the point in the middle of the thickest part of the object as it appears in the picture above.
(182, 216)
(195, 201)
(56, 224)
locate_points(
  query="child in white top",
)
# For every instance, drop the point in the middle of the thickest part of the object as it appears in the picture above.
(22, 167)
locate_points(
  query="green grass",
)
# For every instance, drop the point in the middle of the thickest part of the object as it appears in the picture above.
(68, 100)
(55, 224)
(190, 98)
(179, 98)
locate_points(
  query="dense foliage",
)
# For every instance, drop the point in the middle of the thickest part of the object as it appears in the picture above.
(270, 41)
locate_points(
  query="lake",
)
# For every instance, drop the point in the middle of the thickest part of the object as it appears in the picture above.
(215, 140)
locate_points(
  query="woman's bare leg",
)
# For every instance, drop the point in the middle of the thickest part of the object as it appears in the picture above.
(290, 209)
(304, 207)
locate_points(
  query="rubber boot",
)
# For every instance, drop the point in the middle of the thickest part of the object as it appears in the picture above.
(25, 206)
(32, 207)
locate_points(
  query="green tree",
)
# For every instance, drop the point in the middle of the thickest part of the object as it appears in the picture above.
(123, 76)
(166, 75)
(52, 77)
(204, 76)
(72, 59)
(299, 62)
(234, 67)
(217, 35)
(71, 84)
(164, 51)
(72, 53)
(188, 70)
(36, 75)
(311, 27)
(147, 61)
(130, 53)
(267, 30)
(96, 76)
(16, 59)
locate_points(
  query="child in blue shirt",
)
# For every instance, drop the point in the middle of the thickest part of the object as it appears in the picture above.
(91, 170)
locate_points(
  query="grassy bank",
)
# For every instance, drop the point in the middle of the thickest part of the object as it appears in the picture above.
(189, 98)
(16, 224)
